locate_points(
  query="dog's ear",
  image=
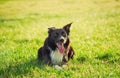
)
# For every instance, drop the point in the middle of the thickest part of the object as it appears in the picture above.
(67, 28)
(51, 29)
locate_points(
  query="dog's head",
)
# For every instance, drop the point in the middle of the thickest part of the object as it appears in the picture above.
(59, 36)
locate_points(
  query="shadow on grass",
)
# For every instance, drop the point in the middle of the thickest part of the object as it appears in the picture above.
(37, 41)
(105, 56)
(33, 16)
(21, 69)
(109, 57)
(2, 20)
(82, 58)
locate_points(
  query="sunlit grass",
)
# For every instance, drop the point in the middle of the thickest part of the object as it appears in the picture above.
(94, 36)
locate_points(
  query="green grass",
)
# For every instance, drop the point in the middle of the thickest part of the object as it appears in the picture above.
(95, 36)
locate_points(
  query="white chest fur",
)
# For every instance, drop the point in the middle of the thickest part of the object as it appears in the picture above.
(56, 56)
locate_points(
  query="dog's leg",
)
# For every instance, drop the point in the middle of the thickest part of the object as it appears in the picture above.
(71, 53)
(46, 60)
(46, 56)
(40, 54)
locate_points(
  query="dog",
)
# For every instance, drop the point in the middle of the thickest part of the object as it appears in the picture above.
(56, 49)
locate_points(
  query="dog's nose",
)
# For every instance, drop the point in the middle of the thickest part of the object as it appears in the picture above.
(61, 40)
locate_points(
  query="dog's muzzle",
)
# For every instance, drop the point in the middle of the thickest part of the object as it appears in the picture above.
(61, 40)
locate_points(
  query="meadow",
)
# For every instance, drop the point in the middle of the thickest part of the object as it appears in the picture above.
(95, 37)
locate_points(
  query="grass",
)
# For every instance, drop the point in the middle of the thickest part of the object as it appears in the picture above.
(95, 36)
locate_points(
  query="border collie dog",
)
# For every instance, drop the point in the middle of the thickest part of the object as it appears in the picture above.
(56, 49)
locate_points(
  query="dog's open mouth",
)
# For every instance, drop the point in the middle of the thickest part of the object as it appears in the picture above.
(60, 47)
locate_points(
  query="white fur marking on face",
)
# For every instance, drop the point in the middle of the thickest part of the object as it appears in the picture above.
(56, 56)
(65, 39)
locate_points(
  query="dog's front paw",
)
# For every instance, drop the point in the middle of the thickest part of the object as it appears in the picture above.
(57, 67)
(65, 66)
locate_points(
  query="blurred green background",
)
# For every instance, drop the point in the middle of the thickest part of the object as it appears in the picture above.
(95, 36)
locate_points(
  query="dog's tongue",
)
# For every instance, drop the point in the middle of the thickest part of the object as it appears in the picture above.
(60, 47)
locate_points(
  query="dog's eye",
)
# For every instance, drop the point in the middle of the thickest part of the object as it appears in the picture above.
(63, 34)
(56, 34)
